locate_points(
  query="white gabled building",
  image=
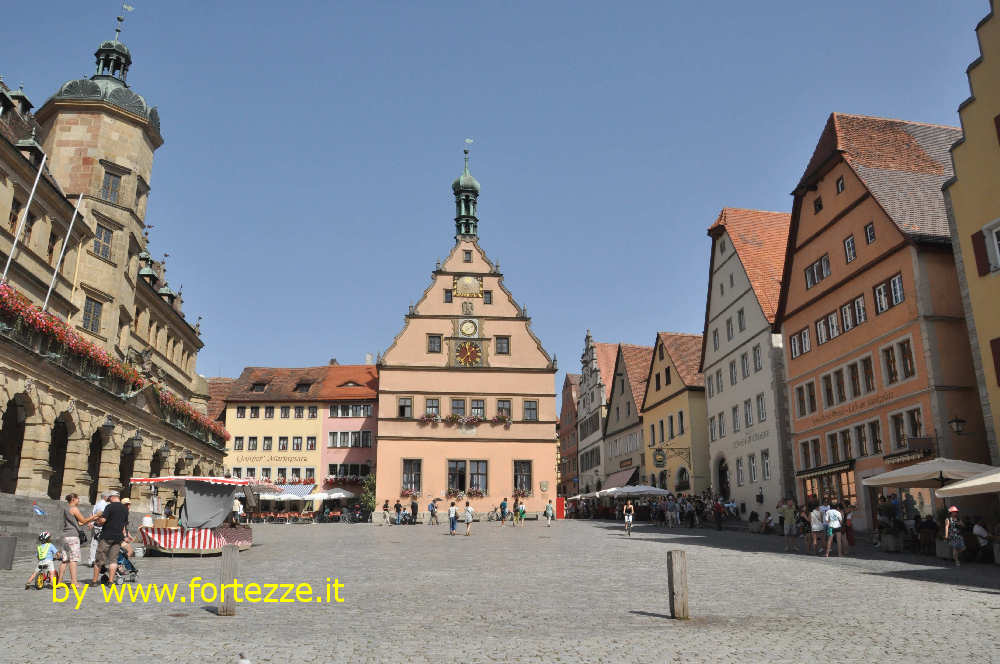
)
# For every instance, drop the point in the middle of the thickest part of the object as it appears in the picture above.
(596, 366)
(743, 363)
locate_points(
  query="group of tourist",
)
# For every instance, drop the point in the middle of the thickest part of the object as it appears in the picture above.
(515, 515)
(108, 528)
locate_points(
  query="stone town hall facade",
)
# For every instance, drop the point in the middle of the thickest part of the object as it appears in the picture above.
(70, 423)
(466, 400)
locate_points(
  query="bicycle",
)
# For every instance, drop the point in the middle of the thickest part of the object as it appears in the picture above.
(494, 515)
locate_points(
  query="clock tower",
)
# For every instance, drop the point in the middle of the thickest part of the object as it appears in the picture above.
(466, 390)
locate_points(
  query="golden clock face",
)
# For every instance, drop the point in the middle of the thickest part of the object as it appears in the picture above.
(469, 354)
(468, 328)
(468, 286)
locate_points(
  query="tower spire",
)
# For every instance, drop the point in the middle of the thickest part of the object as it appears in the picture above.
(466, 190)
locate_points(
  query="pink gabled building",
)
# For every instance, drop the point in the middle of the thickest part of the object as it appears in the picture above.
(350, 425)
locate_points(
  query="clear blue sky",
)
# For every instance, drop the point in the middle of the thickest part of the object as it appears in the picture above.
(303, 192)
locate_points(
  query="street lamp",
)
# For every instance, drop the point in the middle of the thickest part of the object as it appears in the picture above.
(957, 425)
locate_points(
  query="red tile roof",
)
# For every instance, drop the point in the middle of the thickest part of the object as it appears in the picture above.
(218, 390)
(607, 355)
(326, 383)
(637, 359)
(359, 381)
(903, 164)
(759, 238)
(685, 353)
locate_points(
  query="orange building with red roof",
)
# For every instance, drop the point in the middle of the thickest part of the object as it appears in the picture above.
(742, 360)
(877, 351)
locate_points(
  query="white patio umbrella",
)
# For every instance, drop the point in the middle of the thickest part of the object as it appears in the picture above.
(932, 474)
(338, 493)
(641, 490)
(988, 482)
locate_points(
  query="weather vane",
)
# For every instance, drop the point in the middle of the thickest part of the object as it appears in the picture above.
(121, 19)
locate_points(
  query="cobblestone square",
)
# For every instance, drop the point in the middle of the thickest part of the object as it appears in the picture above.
(414, 594)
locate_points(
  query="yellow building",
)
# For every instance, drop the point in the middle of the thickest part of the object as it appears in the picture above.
(674, 416)
(974, 217)
(276, 419)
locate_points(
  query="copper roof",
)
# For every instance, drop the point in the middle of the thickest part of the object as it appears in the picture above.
(759, 238)
(685, 353)
(326, 383)
(218, 390)
(903, 164)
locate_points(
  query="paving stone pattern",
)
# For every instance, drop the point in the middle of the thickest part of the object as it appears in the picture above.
(577, 592)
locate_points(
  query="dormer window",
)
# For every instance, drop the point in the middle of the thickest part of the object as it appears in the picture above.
(302, 387)
(817, 205)
(258, 387)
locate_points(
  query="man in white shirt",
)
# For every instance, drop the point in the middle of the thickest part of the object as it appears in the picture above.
(985, 554)
(834, 520)
(816, 528)
(99, 507)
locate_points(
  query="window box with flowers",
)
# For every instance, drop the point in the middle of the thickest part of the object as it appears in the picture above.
(409, 493)
(521, 493)
(457, 494)
(501, 419)
(429, 418)
(475, 493)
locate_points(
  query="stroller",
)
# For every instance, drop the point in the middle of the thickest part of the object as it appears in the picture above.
(126, 572)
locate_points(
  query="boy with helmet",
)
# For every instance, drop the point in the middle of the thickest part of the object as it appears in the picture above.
(47, 553)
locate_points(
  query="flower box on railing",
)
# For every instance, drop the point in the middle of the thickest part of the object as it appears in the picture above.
(475, 493)
(521, 493)
(409, 493)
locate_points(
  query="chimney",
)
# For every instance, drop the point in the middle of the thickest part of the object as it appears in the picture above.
(369, 359)
(333, 362)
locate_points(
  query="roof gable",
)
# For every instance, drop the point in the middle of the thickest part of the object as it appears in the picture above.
(685, 354)
(903, 164)
(759, 239)
(607, 357)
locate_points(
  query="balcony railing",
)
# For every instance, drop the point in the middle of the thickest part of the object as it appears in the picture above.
(54, 352)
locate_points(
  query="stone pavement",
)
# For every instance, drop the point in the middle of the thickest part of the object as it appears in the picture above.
(577, 592)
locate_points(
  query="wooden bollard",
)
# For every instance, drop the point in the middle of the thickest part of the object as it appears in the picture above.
(230, 570)
(677, 583)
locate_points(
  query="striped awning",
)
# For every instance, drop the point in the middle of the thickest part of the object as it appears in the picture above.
(297, 490)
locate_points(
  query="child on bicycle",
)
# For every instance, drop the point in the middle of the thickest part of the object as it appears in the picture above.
(47, 553)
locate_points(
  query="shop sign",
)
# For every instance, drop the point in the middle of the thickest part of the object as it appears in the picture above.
(625, 463)
(659, 458)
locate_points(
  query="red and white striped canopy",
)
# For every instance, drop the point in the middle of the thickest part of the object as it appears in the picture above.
(178, 481)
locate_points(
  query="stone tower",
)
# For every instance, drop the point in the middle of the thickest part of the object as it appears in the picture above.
(100, 136)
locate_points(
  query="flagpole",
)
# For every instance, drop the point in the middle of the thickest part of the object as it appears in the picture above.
(24, 218)
(55, 273)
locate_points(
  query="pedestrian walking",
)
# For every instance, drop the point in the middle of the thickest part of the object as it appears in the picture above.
(550, 514)
(834, 519)
(520, 514)
(514, 512)
(432, 514)
(503, 511)
(414, 509)
(717, 513)
(452, 518)
(385, 512)
(953, 534)
(816, 526)
(399, 510)
(469, 513)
